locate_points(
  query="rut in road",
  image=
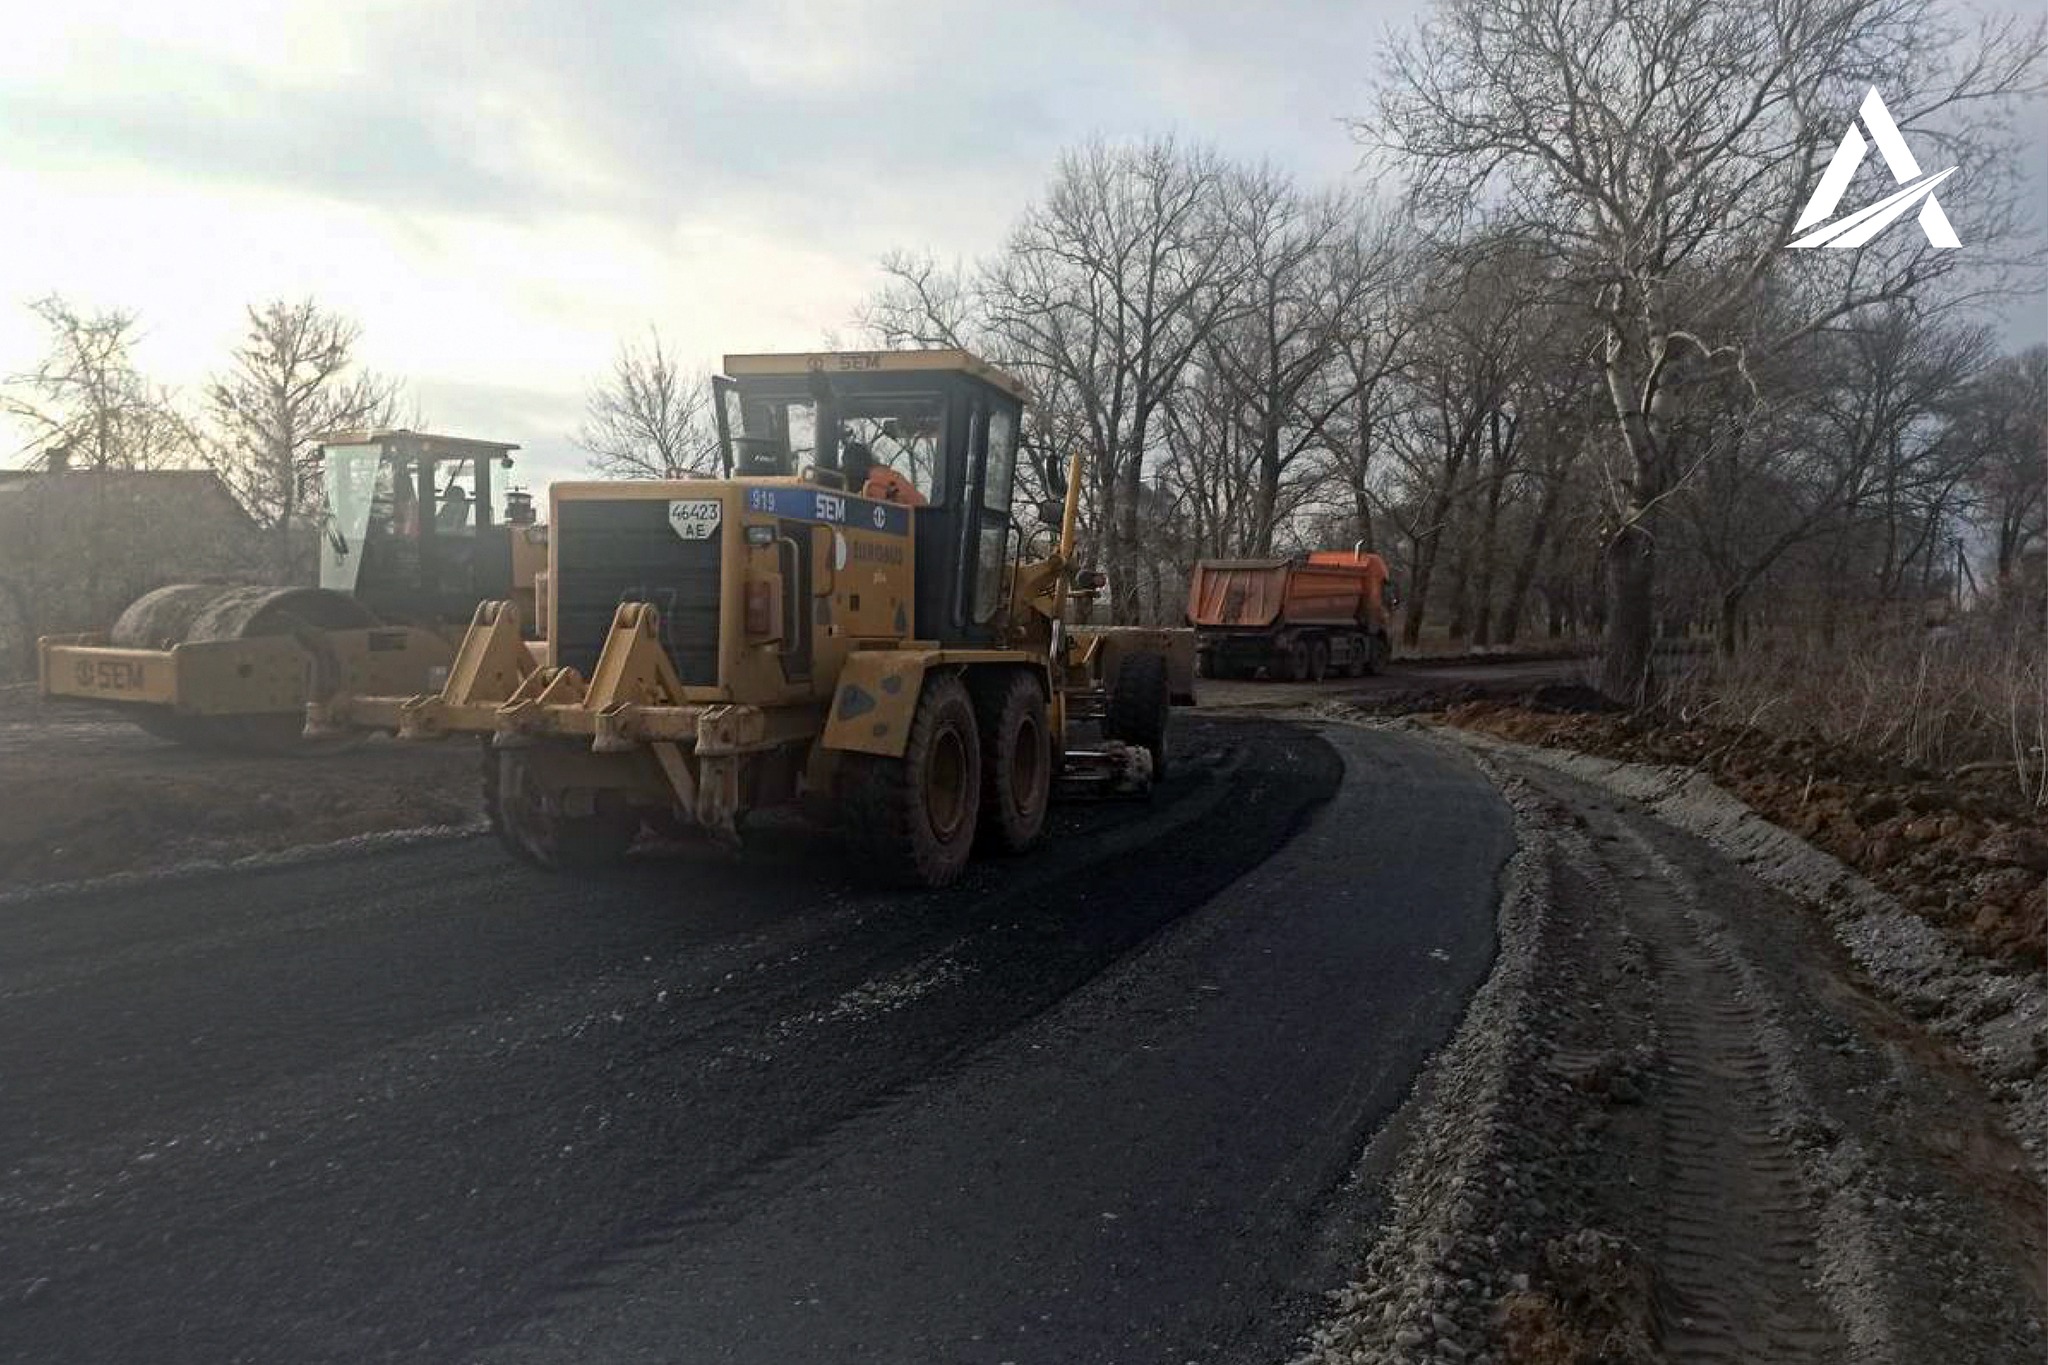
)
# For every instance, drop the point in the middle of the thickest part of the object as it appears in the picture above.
(1737, 1238)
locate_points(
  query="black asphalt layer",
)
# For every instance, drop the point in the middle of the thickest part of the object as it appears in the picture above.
(422, 1104)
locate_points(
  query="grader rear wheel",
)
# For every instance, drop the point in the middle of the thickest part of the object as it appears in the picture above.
(529, 821)
(911, 821)
(1016, 763)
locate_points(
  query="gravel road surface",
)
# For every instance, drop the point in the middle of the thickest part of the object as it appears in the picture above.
(421, 1104)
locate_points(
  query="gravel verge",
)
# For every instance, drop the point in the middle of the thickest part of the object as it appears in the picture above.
(1656, 1136)
(1997, 1018)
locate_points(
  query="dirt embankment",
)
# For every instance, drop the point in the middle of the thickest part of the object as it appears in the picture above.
(86, 795)
(1965, 851)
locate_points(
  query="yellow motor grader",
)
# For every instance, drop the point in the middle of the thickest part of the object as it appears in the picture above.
(846, 621)
(409, 545)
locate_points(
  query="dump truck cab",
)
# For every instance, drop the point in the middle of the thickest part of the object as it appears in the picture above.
(841, 619)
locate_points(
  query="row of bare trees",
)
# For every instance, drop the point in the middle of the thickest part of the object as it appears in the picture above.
(1570, 370)
(256, 423)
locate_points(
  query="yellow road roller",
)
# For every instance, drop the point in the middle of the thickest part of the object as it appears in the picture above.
(411, 542)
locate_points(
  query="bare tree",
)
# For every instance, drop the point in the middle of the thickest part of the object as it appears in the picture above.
(1663, 148)
(1281, 349)
(649, 419)
(1467, 353)
(1553, 435)
(86, 398)
(81, 545)
(292, 381)
(1105, 291)
(1853, 437)
(1373, 345)
(2004, 417)
(923, 305)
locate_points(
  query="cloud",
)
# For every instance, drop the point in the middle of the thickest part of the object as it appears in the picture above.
(499, 189)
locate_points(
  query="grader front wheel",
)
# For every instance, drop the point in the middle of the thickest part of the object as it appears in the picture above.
(530, 822)
(1140, 700)
(911, 821)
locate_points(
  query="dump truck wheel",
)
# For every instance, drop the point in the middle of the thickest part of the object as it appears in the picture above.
(911, 821)
(1138, 706)
(1016, 764)
(1318, 660)
(1377, 651)
(528, 824)
(1294, 662)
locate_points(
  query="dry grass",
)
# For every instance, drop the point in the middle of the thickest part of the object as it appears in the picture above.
(1969, 696)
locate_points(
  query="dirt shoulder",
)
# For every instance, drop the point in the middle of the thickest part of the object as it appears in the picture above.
(1965, 851)
(1677, 1124)
(85, 796)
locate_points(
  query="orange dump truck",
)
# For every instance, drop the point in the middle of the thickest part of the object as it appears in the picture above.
(1303, 618)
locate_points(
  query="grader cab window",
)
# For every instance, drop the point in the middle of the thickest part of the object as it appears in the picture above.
(356, 478)
(993, 550)
(904, 434)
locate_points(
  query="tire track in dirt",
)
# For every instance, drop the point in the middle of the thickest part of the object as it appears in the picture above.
(1735, 1255)
(1672, 1129)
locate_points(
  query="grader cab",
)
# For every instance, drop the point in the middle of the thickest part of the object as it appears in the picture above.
(409, 544)
(847, 621)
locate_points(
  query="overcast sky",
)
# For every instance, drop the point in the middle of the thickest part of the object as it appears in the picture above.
(497, 191)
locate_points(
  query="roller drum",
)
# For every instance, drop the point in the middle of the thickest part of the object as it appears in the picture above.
(188, 613)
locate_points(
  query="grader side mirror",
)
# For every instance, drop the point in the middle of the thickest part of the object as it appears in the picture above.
(1051, 510)
(1090, 580)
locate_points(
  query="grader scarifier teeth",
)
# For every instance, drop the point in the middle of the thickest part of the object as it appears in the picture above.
(186, 613)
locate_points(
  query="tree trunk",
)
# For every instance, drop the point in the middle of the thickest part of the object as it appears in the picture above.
(1728, 623)
(1482, 625)
(1532, 556)
(1631, 567)
(1266, 508)
(1362, 466)
(1461, 594)
(1418, 596)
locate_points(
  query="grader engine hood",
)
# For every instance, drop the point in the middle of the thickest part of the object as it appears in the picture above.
(760, 586)
(668, 551)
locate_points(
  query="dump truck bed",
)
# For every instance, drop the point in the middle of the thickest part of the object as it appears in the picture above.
(1330, 588)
